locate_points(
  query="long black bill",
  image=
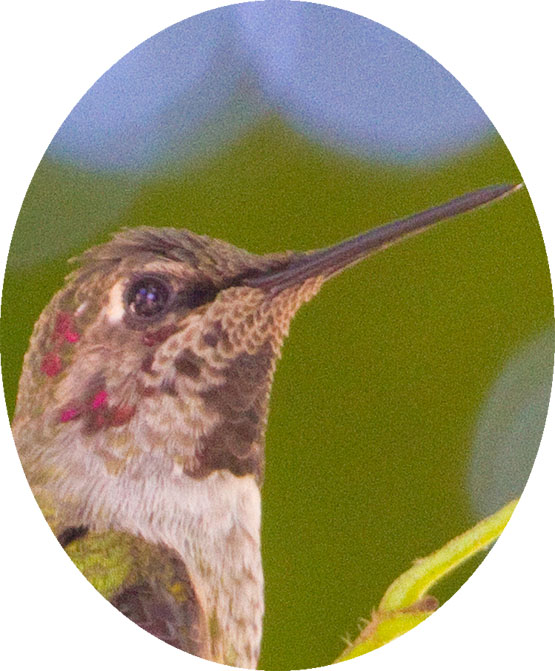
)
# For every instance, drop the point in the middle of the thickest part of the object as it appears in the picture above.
(332, 260)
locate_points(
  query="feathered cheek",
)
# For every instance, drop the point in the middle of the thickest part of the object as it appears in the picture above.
(64, 334)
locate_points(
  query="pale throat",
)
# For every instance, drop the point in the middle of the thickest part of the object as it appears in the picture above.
(213, 523)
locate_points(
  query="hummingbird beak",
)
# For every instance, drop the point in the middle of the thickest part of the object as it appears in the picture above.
(332, 260)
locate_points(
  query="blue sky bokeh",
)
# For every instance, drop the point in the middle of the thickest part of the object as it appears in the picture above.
(337, 77)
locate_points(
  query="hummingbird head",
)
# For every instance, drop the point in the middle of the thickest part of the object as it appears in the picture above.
(158, 353)
(157, 350)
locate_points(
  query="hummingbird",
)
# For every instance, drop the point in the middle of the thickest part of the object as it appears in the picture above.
(141, 415)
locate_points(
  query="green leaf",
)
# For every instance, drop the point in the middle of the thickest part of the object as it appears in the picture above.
(406, 602)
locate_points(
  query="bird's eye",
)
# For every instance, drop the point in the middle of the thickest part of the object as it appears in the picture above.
(148, 297)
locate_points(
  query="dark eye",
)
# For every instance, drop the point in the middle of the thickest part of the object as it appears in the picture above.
(147, 297)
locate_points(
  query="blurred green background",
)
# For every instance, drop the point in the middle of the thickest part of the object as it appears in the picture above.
(385, 374)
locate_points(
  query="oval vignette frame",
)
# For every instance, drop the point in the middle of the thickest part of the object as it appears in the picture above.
(151, 646)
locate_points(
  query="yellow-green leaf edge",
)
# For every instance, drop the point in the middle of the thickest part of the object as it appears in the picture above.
(406, 602)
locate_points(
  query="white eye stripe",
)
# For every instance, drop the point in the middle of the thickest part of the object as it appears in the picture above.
(115, 310)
